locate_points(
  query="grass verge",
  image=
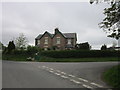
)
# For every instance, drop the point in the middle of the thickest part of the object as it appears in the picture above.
(104, 59)
(112, 76)
(48, 59)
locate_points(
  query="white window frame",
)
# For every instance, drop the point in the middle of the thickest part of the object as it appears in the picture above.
(38, 42)
(69, 41)
(58, 40)
(46, 40)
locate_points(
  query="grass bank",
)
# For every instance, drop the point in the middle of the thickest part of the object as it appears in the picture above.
(104, 59)
(48, 59)
(112, 76)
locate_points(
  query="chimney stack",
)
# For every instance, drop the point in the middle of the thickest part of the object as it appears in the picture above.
(56, 30)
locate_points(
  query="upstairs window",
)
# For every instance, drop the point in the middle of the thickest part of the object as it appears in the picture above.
(46, 40)
(69, 41)
(58, 40)
(38, 42)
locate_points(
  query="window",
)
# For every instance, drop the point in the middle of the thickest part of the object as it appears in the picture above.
(46, 40)
(38, 42)
(69, 41)
(45, 47)
(58, 40)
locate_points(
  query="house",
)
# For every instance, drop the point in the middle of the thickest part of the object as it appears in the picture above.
(113, 48)
(56, 41)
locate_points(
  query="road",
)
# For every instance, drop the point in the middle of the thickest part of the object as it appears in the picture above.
(54, 75)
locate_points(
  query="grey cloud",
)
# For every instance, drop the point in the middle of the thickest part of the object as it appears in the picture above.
(34, 18)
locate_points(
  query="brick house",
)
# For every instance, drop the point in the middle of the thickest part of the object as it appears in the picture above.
(56, 41)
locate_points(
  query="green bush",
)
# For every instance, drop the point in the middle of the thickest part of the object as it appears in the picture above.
(80, 54)
(112, 76)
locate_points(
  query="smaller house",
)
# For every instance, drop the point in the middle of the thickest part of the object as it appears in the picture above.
(113, 48)
(56, 41)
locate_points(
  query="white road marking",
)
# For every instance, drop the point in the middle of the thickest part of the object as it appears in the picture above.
(58, 70)
(96, 85)
(63, 72)
(75, 81)
(57, 73)
(44, 66)
(63, 76)
(51, 71)
(86, 86)
(51, 68)
(71, 75)
(83, 79)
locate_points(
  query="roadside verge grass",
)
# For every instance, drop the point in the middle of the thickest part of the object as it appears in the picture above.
(104, 59)
(48, 59)
(112, 76)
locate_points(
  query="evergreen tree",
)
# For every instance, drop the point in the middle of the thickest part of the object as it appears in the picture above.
(104, 47)
(11, 46)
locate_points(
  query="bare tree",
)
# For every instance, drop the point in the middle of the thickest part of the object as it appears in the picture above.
(21, 42)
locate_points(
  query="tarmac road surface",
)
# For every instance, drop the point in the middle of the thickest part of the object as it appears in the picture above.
(54, 75)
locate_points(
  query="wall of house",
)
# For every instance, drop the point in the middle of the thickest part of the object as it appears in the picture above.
(42, 42)
(62, 41)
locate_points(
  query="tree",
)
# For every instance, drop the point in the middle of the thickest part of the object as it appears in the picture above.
(31, 50)
(21, 42)
(1, 46)
(11, 46)
(83, 46)
(111, 22)
(104, 47)
(114, 44)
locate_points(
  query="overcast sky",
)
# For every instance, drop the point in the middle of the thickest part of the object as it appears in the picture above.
(70, 17)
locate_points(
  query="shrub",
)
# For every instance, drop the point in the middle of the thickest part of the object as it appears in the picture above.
(79, 54)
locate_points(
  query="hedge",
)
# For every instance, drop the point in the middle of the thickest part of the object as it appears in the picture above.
(80, 54)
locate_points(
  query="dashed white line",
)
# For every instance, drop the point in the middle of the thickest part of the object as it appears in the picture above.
(51, 68)
(57, 73)
(44, 66)
(64, 76)
(63, 72)
(86, 86)
(51, 71)
(96, 85)
(71, 75)
(58, 70)
(83, 79)
(75, 81)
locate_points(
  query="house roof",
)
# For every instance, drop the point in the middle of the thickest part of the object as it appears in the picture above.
(39, 36)
(66, 35)
(70, 35)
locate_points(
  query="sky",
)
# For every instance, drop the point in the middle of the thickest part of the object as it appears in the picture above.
(34, 18)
